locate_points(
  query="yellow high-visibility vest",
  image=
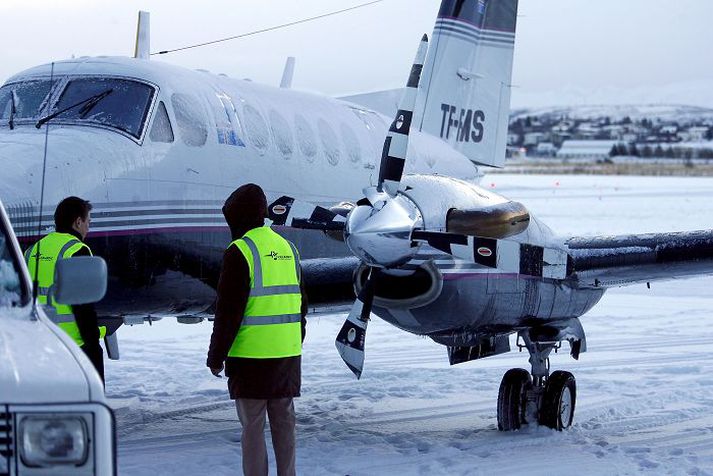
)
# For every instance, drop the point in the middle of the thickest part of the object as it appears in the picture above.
(271, 326)
(54, 247)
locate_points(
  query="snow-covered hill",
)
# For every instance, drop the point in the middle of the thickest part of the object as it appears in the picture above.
(664, 112)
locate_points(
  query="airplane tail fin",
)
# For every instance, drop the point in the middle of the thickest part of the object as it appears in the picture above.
(465, 90)
(143, 37)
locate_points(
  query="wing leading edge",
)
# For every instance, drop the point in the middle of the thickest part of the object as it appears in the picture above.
(610, 261)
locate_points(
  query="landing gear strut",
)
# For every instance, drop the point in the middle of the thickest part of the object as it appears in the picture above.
(536, 396)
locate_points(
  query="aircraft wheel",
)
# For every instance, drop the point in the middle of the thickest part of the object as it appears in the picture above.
(557, 409)
(512, 399)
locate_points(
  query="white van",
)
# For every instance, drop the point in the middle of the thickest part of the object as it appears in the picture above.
(54, 419)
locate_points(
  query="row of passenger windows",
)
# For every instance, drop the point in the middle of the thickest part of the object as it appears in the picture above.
(232, 130)
(124, 105)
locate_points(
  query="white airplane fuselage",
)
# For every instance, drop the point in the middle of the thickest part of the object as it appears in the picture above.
(157, 195)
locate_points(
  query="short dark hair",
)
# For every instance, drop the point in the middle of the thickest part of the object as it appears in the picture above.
(69, 210)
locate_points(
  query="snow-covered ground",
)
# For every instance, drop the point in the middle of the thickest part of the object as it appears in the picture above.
(645, 387)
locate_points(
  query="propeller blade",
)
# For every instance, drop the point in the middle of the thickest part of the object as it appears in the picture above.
(506, 255)
(351, 339)
(286, 211)
(393, 156)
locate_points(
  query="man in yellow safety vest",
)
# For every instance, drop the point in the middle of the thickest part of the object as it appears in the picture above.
(258, 330)
(71, 218)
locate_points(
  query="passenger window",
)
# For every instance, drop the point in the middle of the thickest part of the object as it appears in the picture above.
(305, 138)
(283, 134)
(257, 128)
(352, 144)
(329, 142)
(190, 120)
(227, 123)
(161, 130)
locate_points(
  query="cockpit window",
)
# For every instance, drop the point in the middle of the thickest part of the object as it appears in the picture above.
(29, 99)
(125, 108)
(10, 287)
(161, 130)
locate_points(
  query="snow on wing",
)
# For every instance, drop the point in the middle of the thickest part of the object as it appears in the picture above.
(610, 261)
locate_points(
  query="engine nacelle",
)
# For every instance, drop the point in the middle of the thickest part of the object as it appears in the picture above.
(455, 206)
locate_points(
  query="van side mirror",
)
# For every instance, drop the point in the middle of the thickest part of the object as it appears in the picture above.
(80, 280)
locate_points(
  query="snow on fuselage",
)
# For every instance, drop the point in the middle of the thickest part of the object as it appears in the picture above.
(223, 132)
(158, 156)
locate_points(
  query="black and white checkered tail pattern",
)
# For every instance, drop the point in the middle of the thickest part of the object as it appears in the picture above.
(393, 157)
(505, 255)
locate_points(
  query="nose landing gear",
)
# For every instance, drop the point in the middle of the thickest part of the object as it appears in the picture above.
(536, 396)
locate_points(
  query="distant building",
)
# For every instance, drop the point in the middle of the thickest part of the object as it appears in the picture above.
(513, 138)
(586, 149)
(533, 138)
(546, 149)
(694, 134)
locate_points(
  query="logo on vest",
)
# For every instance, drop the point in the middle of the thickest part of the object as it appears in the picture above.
(277, 257)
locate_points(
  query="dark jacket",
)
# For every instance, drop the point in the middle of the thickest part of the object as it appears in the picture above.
(244, 210)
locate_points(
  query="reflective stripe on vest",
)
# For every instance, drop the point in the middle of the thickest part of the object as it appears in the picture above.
(271, 326)
(52, 248)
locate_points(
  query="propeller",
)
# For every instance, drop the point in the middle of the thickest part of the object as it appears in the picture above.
(377, 229)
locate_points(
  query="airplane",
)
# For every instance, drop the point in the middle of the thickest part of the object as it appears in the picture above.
(157, 148)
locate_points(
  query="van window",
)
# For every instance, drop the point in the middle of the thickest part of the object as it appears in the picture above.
(126, 108)
(10, 288)
(161, 130)
(30, 97)
(190, 119)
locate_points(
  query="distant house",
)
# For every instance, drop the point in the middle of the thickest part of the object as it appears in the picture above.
(669, 130)
(533, 138)
(546, 149)
(513, 138)
(563, 126)
(694, 134)
(586, 149)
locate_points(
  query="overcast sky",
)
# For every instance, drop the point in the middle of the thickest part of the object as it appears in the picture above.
(567, 51)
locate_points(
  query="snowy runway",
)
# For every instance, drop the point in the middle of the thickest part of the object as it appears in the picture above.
(645, 386)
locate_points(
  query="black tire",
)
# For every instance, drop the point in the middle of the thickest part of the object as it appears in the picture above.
(512, 399)
(557, 410)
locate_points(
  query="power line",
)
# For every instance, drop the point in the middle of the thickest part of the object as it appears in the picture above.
(284, 25)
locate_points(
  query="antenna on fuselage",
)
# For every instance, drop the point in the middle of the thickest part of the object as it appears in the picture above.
(288, 73)
(36, 278)
(143, 36)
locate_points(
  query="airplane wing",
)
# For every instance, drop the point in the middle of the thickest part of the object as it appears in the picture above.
(610, 261)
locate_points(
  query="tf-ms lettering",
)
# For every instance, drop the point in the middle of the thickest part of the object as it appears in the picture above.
(468, 123)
